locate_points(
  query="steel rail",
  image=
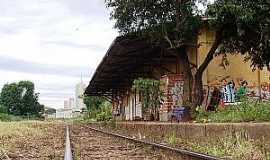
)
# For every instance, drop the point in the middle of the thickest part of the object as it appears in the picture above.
(68, 153)
(162, 146)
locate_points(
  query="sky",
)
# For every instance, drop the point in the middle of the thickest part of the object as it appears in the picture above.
(52, 43)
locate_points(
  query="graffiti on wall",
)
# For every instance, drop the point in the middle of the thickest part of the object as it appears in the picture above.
(254, 91)
(228, 90)
(177, 92)
(172, 87)
(265, 88)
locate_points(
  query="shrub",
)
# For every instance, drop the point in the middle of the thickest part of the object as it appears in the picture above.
(105, 113)
(246, 111)
(6, 117)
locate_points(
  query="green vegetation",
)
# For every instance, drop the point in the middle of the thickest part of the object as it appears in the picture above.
(105, 112)
(98, 109)
(7, 117)
(237, 146)
(93, 102)
(149, 89)
(246, 111)
(242, 27)
(172, 139)
(19, 100)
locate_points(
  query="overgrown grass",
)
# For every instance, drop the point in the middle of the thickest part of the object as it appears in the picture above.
(19, 129)
(247, 111)
(237, 146)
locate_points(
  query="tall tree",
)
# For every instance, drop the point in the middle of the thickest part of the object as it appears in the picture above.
(21, 99)
(10, 98)
(241, 27)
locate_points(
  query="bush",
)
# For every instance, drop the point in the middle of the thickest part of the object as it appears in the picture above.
(6, 117)
(3, 109)
(247, 111)
(105, 113)
(90, 114)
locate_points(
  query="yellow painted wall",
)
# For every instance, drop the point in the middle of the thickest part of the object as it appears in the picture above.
(236, 70)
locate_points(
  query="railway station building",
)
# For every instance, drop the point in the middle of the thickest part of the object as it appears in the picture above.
(129, 58)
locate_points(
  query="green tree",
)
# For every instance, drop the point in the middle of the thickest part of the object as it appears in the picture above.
(98, 108)
(93, 103)
(10, 98)
(241, 27)
(21, 99)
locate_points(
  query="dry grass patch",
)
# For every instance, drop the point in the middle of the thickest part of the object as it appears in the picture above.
(31, 140)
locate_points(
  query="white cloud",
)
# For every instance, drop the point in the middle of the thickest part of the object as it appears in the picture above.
(49, 86)
(74, 34)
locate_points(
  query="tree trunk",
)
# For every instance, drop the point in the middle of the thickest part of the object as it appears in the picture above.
(197, 88)
(188, 79)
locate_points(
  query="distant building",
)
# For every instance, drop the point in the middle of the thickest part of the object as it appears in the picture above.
(79, 90)
(71, 103)
(73, 107)
(64, 113)
(66, 104)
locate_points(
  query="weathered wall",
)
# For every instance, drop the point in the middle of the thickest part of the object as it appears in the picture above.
(256, 131)
(236, 70)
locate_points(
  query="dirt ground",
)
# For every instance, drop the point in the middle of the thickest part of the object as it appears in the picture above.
(87, 144)
(32, 140)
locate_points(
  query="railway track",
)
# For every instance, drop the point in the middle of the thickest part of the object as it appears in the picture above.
(91, 143)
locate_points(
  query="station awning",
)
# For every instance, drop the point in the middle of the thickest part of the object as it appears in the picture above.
(127, 59)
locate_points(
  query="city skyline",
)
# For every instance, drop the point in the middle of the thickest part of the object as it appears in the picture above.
(75, 101)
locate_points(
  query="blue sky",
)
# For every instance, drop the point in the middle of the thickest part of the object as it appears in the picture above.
(53, 42)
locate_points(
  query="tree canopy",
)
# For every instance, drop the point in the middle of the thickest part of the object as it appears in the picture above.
(20, 99)
(244, 28)
(241, 27)
(176, 21)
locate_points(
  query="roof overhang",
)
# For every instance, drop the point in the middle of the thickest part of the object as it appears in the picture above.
(127, 59)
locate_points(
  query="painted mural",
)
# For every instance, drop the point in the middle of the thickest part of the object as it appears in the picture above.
(228, 90)
(177, 92)
(254, 91)
(266, 90)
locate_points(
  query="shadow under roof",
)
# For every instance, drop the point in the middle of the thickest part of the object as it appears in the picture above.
(127, 59)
